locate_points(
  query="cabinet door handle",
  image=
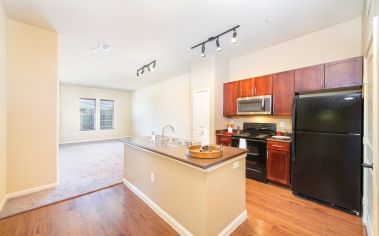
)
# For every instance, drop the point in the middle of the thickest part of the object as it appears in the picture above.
(277, 146)
(255, 91)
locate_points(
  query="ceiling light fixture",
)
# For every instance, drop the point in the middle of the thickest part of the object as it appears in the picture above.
(202, 44)
(150, 67)
(202, 51)
(218, 45)
(234, 39)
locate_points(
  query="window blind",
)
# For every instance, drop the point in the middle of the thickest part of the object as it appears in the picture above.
(87, 113)
(106, 114)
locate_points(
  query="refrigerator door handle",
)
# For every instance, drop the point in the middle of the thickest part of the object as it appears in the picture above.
(365, 165)
(294, 111)
(293, 144)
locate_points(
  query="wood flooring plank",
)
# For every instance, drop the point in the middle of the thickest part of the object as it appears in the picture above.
(272, 210)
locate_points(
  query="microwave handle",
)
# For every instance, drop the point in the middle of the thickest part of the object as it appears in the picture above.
(263, 103)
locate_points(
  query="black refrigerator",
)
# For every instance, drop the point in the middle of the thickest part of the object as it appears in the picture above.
(326, 161)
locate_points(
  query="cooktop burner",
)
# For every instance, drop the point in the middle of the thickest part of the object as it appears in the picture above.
(257, 130)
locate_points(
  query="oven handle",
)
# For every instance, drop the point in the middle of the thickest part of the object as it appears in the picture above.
(252, 140)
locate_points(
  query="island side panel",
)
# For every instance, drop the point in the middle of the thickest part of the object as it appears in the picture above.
(178, 188)
(226, 197)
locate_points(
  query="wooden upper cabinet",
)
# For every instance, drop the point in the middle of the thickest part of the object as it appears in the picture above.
(344, 73)
(283, 91)
(247, 87)
(257, 86)
(231, 93)
(263, 85)
(309, 78)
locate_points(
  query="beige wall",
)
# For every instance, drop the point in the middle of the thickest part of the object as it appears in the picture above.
(164, 103)
(211, 72)
(329, 44)
(69, 113)
(370, 48)
(194, 198)
(3, 106)
(32, 106)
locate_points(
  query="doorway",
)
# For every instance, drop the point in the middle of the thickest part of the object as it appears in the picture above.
(201, 109)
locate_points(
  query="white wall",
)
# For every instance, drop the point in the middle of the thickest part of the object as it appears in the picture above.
(329, 44)
(69, 114)
(32, 106)
(3, 107)
(160, 104)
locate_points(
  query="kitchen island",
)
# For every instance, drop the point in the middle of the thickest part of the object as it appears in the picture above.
(195, 196)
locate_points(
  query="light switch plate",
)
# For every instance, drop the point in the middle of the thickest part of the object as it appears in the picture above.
(281, 124)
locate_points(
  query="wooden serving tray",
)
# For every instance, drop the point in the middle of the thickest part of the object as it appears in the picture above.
(194, 151)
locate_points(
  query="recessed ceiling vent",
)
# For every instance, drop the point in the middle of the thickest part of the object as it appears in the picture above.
(105, 47)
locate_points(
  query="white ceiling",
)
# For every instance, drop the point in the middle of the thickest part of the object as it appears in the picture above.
(143, 30)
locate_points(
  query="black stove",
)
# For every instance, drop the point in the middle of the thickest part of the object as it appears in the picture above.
(254, 136)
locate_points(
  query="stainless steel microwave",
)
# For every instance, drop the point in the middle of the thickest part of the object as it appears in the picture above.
(259, 105)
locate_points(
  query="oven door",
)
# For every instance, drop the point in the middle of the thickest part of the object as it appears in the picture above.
(254, 105)
(256, 158)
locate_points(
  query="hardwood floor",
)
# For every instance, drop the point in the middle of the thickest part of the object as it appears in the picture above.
(112, 211)
(272, 210)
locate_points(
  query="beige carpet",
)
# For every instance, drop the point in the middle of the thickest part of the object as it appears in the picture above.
(83, 168)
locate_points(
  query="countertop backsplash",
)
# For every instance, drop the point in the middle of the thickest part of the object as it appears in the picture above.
(283, 123)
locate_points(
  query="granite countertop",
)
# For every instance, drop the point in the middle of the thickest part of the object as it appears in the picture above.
(179, 153)
(280, 140)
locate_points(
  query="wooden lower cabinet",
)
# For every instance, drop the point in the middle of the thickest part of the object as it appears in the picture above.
(278, 162)
(224, 139)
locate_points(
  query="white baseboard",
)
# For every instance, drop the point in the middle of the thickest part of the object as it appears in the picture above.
(234, 224)
(367, 221)
(164, 215)
(2, 203)
(91, 140)
(176, 225)
(31, 190)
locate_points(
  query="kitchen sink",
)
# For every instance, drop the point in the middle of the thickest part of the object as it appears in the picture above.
(176, 142)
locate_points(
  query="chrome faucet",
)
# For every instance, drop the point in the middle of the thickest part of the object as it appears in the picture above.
(163, 131)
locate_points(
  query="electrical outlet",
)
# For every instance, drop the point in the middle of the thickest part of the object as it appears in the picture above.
(152, 177)
(281, 124)
(236, 164)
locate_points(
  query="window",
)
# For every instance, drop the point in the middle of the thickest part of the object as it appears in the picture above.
(106, 114)
(87, 114)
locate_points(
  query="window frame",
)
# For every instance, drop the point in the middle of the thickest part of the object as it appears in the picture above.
(80, 115)
(108, 100)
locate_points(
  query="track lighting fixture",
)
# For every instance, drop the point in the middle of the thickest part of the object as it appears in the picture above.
(202, 44)
(234, 39)
(150, 67)
(218, 45)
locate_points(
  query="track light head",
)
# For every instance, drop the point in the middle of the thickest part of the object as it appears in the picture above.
(137, 73)
(152, 66)
(143, 70)
(202, 51)
(218, 45)
(234, 39)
